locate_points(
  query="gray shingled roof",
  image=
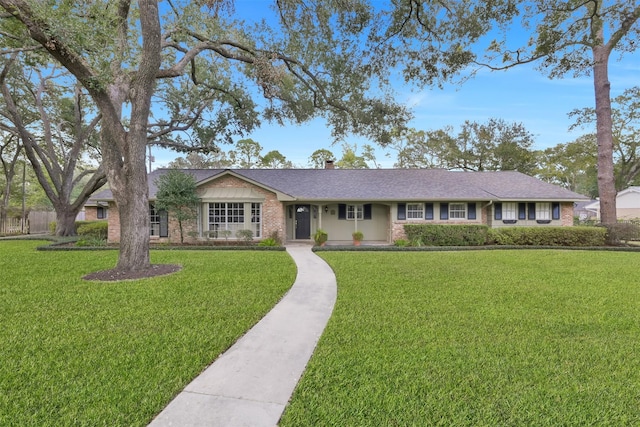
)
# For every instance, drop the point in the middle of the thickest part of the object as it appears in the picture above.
(388, 184)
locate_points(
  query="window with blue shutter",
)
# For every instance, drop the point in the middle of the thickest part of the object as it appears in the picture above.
(471, 211)
(367, 211)
(532, 211)
(402, 211)
(428, 211)
(522, 211)
(497, 211)
(342, 211)
(444, 210)
(555, 210)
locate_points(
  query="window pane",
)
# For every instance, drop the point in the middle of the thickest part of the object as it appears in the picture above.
(415, 210)
(457, 210)
(509, 211)
(543, 211)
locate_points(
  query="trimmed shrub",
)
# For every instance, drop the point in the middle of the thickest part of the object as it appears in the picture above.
(446, 235)
(269, 241)
(95, 229)
(547, 236)
(622, 232)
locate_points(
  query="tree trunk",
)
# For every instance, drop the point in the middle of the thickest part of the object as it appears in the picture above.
(133, 207)
(604, 125)
(65, 221)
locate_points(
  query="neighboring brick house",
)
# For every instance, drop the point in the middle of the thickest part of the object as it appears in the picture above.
(294, 203)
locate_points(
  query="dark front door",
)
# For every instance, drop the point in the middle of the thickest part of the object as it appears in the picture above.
(303, 221)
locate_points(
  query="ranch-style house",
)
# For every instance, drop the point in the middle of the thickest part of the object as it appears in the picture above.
(294, 203)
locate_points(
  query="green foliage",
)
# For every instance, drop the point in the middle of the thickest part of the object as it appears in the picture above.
(85, 353)
(476, 338)
(269, 241)
(357, 236)
(622, 232)
(91, 241)
(401, 243)
(319, 158)
(547, 236)
(495, 145)
(571, 165)
(177, 195)
(96, 229)
(446, 235)
(320, 236)
(245, 235)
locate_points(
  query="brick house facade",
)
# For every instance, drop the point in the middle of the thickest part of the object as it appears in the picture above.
(293, 203)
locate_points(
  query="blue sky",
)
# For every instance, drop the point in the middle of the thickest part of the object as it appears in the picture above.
(521, 94)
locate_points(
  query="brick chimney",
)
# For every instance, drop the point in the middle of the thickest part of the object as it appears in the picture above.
(328, 164)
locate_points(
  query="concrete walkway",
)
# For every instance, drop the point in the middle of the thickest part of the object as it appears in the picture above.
(251, 383)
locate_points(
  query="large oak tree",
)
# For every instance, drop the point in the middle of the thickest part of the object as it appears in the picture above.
(192, 59)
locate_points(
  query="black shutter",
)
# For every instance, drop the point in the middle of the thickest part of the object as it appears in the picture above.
(522, 211)
(164, 223)
(367, 211)
(342, 211)
(555, 210)
(402, 211)
(428, 211)
(532, 211)
(471, 211)
(444, 210)
(497, 211)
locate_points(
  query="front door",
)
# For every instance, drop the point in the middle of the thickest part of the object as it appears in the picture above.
(303, 221)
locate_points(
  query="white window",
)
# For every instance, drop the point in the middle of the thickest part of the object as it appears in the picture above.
(225, 219)
(355, 212)
(509, 211)
(256, 218)
(543, 211)
(457, 210)
(415, 211)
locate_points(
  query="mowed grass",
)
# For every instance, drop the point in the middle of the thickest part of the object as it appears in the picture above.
(477, 338)
(83, 353)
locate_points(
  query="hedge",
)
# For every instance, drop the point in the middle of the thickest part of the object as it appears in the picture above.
(547, 236)
(446, 235)
(96, 229)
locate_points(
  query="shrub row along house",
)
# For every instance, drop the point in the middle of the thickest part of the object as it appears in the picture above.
(294, 203)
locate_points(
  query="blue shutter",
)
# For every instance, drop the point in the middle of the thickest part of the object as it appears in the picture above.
(367, 211)
(555, 210)
(471, 211)
(428, 211)
(342, 211)
(497, 211)
(522, 211)
(402, 211)
(532, 211)
(444, 210)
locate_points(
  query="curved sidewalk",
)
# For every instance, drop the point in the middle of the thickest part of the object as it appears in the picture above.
(251, 383)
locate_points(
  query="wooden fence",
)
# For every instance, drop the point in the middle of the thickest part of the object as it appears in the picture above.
(12, 226)
(37, 223)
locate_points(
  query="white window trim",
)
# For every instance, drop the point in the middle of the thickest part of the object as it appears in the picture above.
(355, 212)
(462, 211)
(543, 211)
(417, 213)
(510, 211)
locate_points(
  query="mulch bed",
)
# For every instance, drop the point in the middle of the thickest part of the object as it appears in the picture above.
(116, 275)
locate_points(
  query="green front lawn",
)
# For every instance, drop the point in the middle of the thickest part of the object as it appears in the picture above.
(74, 352)
(479, 338)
